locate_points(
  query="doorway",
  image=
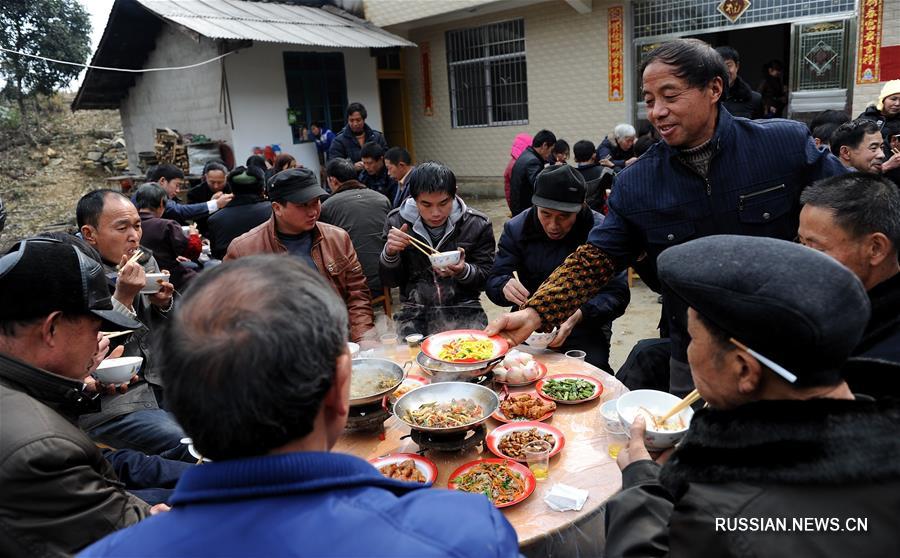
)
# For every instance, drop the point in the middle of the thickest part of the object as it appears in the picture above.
(393, 99)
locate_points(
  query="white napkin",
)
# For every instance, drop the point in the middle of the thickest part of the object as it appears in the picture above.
(563, 497)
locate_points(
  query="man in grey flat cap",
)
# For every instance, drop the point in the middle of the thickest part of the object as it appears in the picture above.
(786, 461)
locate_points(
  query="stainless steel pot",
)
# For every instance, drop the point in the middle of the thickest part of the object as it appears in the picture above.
(374, 368)
(446, 372)
(442, 393)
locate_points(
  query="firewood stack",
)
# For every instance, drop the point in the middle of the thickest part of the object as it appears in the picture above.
(170, 148)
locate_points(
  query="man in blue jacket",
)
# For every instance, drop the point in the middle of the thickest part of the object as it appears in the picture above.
(261, 382)
(710, 174)
(348, 143)
(535, 242)
(170, 178)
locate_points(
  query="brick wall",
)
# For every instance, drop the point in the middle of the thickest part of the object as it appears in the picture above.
(187, 100)
(567, 88)
(863, 95)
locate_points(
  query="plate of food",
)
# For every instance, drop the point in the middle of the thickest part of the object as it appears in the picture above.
(446, 407)
(524, 407)
(569, 388)
(508, 440)
(409, 467)
(519, 369)
(410, 383)
(464, 346)
(504, 482)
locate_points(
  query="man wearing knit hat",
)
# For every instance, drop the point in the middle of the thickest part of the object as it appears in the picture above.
(886, 114)
(786, 461)
(248, 209)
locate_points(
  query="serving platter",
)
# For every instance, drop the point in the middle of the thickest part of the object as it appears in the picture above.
(424, 465)
(598, 388)
(517, 468)
(500, 416)
(433, 345)
(495, 437)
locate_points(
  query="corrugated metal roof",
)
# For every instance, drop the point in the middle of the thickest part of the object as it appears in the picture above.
(274, 23)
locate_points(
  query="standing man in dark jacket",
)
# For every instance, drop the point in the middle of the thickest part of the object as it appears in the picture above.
(247, 210)
(348, 143)
(529, 164)
(710, 174)
(57, 493)
(766, 469)
(536, 242)
(740, 99)
(359, 211)
(437, 298)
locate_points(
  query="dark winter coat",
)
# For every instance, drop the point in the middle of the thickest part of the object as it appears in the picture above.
(383, 183)
(608, 149)
(741, 100)
(889, 127)
(346, 146)
(243, 213)
(521, 180)
(822, 460)
(597, 180)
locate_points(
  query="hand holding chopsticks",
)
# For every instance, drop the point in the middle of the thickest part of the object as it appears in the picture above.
(111, 334)
(410, 240)
(689, 400)
(135, 257)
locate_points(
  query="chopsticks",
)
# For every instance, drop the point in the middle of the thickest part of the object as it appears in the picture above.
(111, 334)
(421, 246)
(133, 258)
(688, 400)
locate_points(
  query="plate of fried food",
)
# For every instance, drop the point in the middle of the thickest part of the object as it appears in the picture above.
(504, 482)
(524, 407)
(508, 441)
(570, 388)
(464, 346)
(409, 467)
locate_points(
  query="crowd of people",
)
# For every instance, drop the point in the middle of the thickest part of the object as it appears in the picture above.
(773, 245)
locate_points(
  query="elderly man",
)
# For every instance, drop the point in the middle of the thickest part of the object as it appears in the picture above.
(784, 446)
(349, 142)
(359, 211)
(294, 229)
(618, 151)
(858, 145)
(110, 223)
(710, 174)
(58, 493)
(214, 181)
(526, 168)
(856, 220)
(272, 472)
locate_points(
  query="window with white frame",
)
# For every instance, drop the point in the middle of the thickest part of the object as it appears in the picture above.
(487, 75)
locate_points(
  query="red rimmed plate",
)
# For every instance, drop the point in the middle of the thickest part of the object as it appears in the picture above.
(423, 464)
(496, 437)
(412, 382)
(543, 372)
(498, 414)
(515, 468)
(598, 388)
(432, 345)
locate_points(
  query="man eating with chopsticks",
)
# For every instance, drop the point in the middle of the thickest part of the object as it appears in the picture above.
(786, 461)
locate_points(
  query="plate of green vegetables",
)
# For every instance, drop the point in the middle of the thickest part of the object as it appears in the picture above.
(569, 388)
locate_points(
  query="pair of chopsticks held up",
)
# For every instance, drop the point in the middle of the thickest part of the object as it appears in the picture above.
(137, 255)
(418, 244)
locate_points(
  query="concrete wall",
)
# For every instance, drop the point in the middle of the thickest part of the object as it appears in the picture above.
(390, 12)
(567, 62)
(259, 98)
(864, 95)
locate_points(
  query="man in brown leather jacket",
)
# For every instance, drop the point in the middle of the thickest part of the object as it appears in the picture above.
(57, 492)
(295, 229)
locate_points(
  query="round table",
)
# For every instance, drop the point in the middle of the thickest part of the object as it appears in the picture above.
(584, 462)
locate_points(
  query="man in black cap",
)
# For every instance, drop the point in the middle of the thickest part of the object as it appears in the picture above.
(538, 240)
(248, 209)
(295, 229)
(58, 492)
(785, 461)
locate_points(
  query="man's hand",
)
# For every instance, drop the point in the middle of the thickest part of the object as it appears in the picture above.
(629, 162)
(224, 200)
(397, 241)
(515, 327)
(163, 298)
(455, 269)
(892, 163)
(607, 163)
(359, 166)
(130, 281)
(566, 329)
(159, 508)
(635, 450)
(515, 292)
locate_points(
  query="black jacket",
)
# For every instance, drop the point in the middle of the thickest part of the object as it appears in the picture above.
(889, 127)
(521, 181)
(598, 179)
(821, 460)
(382, 183)
(239, 216)
(741, 100)
(874, 368)
(346, 146)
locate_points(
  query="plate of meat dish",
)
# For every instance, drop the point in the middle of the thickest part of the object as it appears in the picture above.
(409, 467)
(508, 441)
(524, 407)
(504, 482)
(464, 346)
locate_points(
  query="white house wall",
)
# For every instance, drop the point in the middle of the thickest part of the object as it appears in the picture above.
(259, 101)
(186, 100)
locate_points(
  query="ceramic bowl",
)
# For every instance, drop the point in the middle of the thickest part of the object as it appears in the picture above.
(118, 370)
(658, 403)
(153, 284)
(444, 259)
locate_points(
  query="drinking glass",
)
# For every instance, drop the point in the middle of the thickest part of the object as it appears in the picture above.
(576, 354)
(537, 455)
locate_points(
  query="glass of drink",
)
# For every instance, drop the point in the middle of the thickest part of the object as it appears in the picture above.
(389, 339)
(615, 441)
(537, 455)
(576, 354)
